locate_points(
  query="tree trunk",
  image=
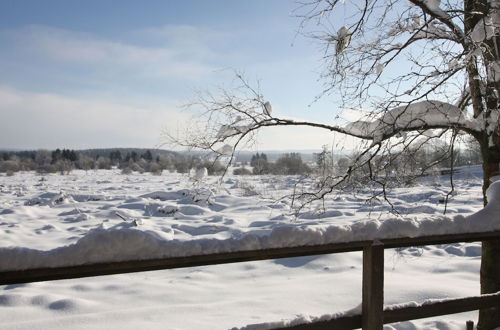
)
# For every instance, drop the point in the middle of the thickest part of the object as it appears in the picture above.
(475, 10)
(490, 259)
(490, 283)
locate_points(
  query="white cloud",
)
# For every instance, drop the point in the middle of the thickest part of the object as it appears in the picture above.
(46, 120)
(188, 39)
(174, 60)
(42, 120)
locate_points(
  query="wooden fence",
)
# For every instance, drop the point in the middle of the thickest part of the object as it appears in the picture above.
(373, 314)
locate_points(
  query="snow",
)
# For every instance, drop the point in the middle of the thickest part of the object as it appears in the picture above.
(200, 173)
(226, 131)
(54, 220)
(493, 194)
(343, 39)
(343, 32)
(415, 23)
(488, 122)
(486, 27)
(126, 242)
(225, 150)
(355, 311)
(434, 30)
(301, 319)
(454, 64)
(268, 109)
(432, 4)
(230, 130)
(494, 71)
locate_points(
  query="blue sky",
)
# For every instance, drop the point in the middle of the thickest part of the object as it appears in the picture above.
(90, 74)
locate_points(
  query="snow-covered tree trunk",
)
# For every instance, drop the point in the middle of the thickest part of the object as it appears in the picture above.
(490, 259)
(481, 16)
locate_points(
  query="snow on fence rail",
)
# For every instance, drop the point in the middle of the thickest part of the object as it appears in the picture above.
(372, 316)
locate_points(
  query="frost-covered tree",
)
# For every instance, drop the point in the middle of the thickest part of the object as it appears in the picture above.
(324, 162)
(260, 164)
(290, 164)
(422, 68)
(84, 162)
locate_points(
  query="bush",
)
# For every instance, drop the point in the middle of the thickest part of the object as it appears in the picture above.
(154, 168)
(290, 164)
(242, 171)
(126, 170)
(103, 163)
(213, 168)
(84, 163)
(46, 168)
(12, 165)
(260, 164)
(136, 168)
(63, 166)
(182, 166)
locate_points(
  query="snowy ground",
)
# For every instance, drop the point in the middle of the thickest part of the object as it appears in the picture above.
(50, 211)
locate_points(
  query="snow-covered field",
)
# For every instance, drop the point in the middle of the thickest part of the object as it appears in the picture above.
(98, 211)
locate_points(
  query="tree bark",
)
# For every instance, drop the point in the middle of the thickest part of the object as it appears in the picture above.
(490, 259)
(490, 271)
(474, 10)
(485, 103)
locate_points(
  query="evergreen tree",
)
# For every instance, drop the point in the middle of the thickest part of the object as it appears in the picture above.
(147, 156)
(260, 164)
(56, 155)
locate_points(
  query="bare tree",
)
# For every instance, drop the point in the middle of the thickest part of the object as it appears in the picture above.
(424, 68)
(84, 162)
(324, 162)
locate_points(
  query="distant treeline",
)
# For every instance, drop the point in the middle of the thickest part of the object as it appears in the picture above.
(286, 164)
(129, 160)
(141, 160)
(409, 161)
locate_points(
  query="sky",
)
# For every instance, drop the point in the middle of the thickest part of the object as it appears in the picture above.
(102, 73)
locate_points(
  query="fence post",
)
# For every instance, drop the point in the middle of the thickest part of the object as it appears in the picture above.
(373, 287)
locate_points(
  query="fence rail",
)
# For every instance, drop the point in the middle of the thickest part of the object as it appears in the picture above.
(373, 314)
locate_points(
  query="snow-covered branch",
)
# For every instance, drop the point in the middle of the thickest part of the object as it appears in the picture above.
(415, 116)
(432, 8)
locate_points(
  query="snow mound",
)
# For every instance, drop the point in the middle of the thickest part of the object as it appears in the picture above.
(168, 195)
(305, 319)
(301, 319)
(50, 199)
(493, 194)
(202, 172)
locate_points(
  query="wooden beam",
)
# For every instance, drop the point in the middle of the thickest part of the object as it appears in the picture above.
(451, 306)
(438, 308)
(373, 287)
(341, 323)
(372, 276)
(122, 267)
